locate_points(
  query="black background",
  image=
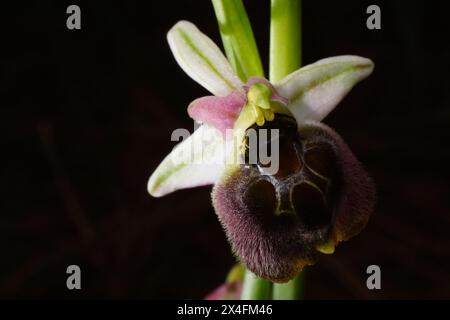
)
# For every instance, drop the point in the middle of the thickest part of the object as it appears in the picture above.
(87, 115)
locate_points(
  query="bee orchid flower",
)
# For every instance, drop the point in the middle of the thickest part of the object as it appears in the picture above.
(320, 195)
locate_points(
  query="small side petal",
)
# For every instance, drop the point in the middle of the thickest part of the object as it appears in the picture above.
(220, 112)
(315, 90)
(201, 59)
(197, 161)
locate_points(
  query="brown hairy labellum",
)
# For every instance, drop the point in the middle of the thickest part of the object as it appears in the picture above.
(320, 195)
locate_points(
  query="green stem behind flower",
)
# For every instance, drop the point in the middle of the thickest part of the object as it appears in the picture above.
(285, 38)
(285, 57)
(242, 52)
(237, 37)
(255, 288)
(293, 290)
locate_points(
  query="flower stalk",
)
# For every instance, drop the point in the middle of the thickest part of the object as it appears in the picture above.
(285, 57)
(285, 38)
(292, 290)
(237, 37)
(255, 288)
(242, 52)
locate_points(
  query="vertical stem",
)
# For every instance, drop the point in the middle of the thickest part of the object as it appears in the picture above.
(241, 50)
(285, 38)
(255, 288)
(293, 290)
(285, 57)
(237, 37)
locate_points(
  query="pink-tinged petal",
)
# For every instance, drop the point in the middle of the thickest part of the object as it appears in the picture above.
(219, 112)
(275, 96)
(227, 291)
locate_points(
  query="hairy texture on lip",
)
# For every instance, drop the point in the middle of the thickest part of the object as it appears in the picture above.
(357, 195)
(273, 247)
(275, 222)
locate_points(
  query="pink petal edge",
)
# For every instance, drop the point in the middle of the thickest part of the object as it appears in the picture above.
(220, 112)
(227, 291)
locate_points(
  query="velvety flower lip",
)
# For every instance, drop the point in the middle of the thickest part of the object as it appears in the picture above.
(276, 223)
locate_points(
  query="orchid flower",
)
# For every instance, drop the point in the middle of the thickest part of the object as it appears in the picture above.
(321, 195)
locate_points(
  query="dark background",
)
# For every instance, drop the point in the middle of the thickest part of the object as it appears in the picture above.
(86, 116)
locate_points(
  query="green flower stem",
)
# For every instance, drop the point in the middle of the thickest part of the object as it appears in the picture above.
(285, 57)
(256, 288)
(242, 52)
(237, 37)
(293, 290)
(285, 38)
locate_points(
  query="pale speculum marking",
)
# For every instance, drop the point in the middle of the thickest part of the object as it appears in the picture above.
(305, 186)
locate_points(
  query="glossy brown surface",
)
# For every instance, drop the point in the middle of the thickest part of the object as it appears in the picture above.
(307, 176)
